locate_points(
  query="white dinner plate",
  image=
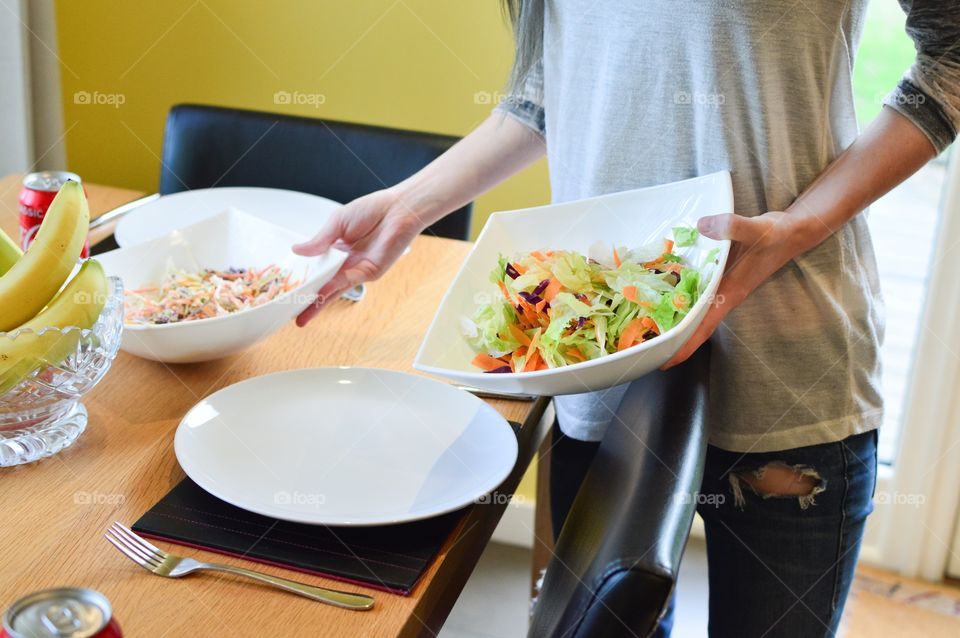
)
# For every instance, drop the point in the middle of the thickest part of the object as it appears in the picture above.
(300, 212)
(345, 446)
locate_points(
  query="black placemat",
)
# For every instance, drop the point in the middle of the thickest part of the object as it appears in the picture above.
(390, 557)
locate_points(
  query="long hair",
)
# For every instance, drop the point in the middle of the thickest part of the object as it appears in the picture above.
(526, 16)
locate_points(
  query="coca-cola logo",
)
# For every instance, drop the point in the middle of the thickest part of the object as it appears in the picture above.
(26, 237)
(30, 211)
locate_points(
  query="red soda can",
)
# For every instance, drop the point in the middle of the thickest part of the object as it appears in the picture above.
(39, 189)
(67, 612)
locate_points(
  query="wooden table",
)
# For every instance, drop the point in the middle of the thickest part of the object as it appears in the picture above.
(56, 510)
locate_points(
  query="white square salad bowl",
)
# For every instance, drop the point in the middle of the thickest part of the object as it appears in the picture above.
(229, 239)
(630, 218)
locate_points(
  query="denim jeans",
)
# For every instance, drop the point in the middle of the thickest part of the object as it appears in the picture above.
(778, 566)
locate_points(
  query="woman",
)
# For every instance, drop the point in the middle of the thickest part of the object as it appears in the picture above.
(622, 95)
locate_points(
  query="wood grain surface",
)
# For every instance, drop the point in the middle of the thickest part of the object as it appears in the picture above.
(55, 511)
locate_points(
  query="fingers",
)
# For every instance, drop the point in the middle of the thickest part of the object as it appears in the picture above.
(733, 227)
(331, 291)
(323, 240)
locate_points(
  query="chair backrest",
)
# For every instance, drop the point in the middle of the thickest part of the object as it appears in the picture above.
(208, 146)
(617, 559)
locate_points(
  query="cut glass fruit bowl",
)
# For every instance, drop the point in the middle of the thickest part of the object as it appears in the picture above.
(40, 408)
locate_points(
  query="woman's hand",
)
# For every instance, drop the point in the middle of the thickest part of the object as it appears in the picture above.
(374, 229)
(761, 246)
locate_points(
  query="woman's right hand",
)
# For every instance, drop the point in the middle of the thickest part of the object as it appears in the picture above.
(374, 230)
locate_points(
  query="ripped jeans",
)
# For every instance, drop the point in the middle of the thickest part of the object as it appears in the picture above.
(779, 567)
(783, 565)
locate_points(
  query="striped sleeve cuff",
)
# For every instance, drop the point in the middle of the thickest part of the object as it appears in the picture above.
(528, 113)
(526, 106)
(928, 107)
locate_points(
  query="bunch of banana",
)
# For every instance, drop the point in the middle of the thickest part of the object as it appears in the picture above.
(32, 304)
(37, 276)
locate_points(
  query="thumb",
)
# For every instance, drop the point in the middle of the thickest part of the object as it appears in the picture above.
(733, 227)
(323, 240)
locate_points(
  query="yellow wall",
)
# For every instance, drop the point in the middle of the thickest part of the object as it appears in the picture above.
(417, 64)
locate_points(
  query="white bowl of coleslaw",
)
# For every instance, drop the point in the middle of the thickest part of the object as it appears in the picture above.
(214, 288)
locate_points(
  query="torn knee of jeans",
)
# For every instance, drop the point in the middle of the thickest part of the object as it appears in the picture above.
(778, 480)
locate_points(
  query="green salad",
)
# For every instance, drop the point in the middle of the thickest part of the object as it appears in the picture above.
(557, 308)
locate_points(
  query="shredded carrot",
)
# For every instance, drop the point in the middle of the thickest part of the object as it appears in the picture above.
(630, 334)
(630, 292)
(616, 257)
(486, 362)
(519, 268)
(552, 289)
(574, 353)
(519, 335)
(645, 304)
(534, 356)
(539, 256)
(650, 324)
(668, 245)
(532, 362)
(529, 313)
(549, 253)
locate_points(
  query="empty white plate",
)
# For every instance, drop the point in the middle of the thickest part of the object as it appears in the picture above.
(345, 446)
(300, 212)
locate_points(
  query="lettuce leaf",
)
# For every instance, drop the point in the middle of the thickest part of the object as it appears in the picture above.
(685, 236)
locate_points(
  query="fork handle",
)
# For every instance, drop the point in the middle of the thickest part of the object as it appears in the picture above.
(357, 602)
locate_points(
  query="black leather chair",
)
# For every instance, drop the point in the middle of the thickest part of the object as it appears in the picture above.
(618, 555)
(207, 146)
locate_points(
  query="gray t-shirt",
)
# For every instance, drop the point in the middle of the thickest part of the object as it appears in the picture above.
(635, 94)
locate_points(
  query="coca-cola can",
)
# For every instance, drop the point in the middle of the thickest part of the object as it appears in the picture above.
(38, 192)
(67, 612)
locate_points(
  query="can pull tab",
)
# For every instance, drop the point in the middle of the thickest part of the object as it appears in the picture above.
(64, 619)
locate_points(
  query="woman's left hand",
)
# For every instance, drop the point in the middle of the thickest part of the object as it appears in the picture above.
(761, 246)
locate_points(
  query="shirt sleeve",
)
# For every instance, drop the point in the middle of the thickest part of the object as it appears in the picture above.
(929, 92)
(526, 105)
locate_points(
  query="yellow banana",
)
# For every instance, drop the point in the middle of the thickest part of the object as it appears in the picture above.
(9, 252)
(37, 276)
(78, 305)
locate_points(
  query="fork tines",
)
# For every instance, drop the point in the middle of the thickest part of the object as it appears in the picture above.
(137, 549)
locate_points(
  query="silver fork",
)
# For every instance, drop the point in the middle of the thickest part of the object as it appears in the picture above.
(157, 561)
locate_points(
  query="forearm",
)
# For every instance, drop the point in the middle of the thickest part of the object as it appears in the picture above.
(890, 150)
(491, 153)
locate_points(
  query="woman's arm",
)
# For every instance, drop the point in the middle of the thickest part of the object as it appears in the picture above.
(890, 150)
(376, 228)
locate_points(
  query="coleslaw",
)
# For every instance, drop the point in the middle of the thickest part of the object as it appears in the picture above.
(189, 296)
